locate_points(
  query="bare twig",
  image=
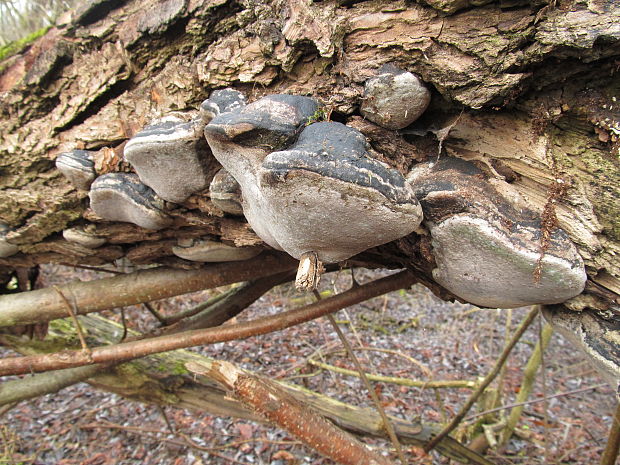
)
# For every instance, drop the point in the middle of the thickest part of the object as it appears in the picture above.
(389, 428)
(432, 384)
(135, 349)
(72, 313)
(153, 311)
(487, 380)
(613, 442)
(267, 398)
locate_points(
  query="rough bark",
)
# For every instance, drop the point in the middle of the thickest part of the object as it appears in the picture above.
(535, 82)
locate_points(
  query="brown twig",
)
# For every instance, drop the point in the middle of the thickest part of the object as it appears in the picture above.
(158, 316)
(487, 380)
(135, 349)
(613, 442)
(268, 399)
(535, 401)
(72, 312)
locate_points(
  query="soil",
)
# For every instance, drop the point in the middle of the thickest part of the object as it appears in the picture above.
(426, 338)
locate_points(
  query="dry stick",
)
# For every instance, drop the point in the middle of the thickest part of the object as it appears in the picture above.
(134, 288)
(613, 442)
(487, 380)
(535, 401)
(529, 375)
(387, 424)
(72, 313)
(153, 311)
(136, 349)
(271, 401)
(433, 384)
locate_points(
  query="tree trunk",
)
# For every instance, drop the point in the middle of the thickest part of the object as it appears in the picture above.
(525, 90)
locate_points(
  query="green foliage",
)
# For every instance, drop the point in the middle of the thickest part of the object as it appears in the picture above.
(17, 46)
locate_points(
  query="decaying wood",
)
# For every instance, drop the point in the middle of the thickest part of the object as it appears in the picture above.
(163, 379)
(535, 84)
(274, 403)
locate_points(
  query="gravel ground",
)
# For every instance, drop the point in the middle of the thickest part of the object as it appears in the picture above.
(410, 335)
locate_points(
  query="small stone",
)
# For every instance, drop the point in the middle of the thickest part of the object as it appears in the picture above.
(122, 197)
(78, 166)
(225, 193)
(395, 98)
(172, 158)
(212, 251)
(83, 237)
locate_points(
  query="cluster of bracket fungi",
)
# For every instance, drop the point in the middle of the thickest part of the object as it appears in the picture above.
(315, 190)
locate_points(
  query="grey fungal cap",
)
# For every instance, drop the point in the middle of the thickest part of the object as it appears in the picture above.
(78, 166)
(310, 189)
(225, 193)
(6, 248)
(81, 236)
(395, 98)
(122, 197)
(212, 251)
(487, 246)
(221, 101)
(172, 158)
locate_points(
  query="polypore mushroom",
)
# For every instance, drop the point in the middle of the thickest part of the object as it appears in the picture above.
(395, 98)
(212, 251)
(324, 194)
(221, 101)
(225, 193)
(489, 249)
(78, 166)
(83, 237)
(6, 248)
(597, 335)
(172, 158)
(122, 197)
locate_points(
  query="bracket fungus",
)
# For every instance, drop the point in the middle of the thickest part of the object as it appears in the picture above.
(225, 193)
(6, 248)
(488, 248)
(394, 98)
(213, 251)
(221, 101)
(122, 197)
(172, 158)
(83, 237)
(78, 166)
(310, 189)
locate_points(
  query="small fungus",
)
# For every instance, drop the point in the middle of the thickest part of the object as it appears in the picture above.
(225, 193)
(83, 237)
(394, 98)
(122, 197)
(6, 248)
(78, 166)
(221, 101)
(172, 158)
(487, 248)
(212, 251)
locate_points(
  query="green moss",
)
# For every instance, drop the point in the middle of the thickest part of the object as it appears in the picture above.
(17, 46)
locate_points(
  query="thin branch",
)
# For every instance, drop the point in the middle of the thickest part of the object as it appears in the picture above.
(135, 349)
(431, 384)
(487, 380)
(72, 313)
(135, 288)
(613, 442)
(389, 428)
(535, 401)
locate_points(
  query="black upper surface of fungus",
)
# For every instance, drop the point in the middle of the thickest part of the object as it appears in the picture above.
(337, 151)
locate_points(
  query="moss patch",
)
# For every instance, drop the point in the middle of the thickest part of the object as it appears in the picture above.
(15, 47)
